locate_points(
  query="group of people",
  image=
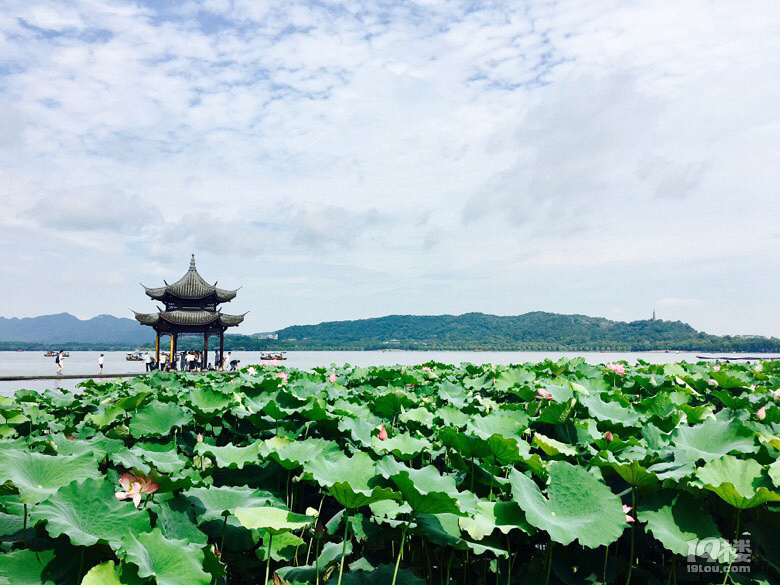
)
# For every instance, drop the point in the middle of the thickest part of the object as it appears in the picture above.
(189, 361)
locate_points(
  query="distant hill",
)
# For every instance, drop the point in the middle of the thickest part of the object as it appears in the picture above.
(65, 328)
(531, 331)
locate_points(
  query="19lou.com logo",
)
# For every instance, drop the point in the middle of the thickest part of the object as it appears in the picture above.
(719, 555)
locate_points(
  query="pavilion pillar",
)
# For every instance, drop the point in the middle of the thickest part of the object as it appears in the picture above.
(157, 351)
(175, 340)
(170, 355)
(205, 350)
(221, 349)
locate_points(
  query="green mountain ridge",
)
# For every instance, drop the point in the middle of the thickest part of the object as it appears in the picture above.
(534, 331)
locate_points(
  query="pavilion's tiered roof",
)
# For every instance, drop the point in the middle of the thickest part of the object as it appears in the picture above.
(190, 305)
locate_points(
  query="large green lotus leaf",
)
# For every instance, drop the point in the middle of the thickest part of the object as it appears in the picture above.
(38, 476)
(731, 379)
(25, 567)
(213, 502)
(11, 526)
(740, 482)
(162, 461)
(175, 519)
(360, 430)
(452, 417)
(714, 438)
(106, 415)
(552, 447)
(390, 403)
(774, 473)
(676, 520)
(507, 450)
(283, 546)
(158, 418)
(467, 445)
(505, 516)
(98, 446)
(611, 412)
(331, 553)
(421, 416)
(88, 512)
(425, 490)
(354, 410)
(382, 575)
(508, 423)
(231, 456)
(170, 562)
(209, 401)
(634, 474)
(295, 454)
(273, 520)
(402, 445)
(103, 574)
(556, 413)
(348, 479)
(455, 394)
(578, 506)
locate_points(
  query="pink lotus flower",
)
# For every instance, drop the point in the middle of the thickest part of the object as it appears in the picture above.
(617, 368)
(608, 437)
(712, 382)
(382, 433)
(542, 393)
(274, 362)
(761, 413)
(776, 394)
(199, 438)
(134, 487)
(716, 368)
(332, 377)
(426, 369)
(626, 510)
(282, 376)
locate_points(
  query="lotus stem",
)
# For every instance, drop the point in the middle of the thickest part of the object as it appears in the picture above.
(317, 563)
(25, 526)
(508, 561)
(731, 556)
(81, 564)
(222, 539)
(400, 553)
(606, 556)
(344, 546)
(268, 560)
(633, 529)
(549, 563)
(449, 563)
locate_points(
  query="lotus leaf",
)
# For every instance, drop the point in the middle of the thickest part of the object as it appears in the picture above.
(170, 562)
(578, 506)
(740, 482)
(87, 512)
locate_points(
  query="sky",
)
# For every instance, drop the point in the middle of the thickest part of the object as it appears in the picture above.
(344, 160)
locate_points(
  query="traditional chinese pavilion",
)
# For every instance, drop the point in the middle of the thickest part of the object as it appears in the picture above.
(191, 308)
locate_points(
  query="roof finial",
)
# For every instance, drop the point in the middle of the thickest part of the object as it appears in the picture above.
(192, 262)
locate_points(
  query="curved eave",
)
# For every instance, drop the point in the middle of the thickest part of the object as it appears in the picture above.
(231, 320)
(155, 293)
(147, 318)
(224, 296)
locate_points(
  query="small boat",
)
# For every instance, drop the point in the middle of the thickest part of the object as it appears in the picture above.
(273, 356)
(55, 353)
(135, 356)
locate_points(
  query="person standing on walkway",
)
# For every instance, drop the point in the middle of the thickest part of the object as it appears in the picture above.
(100, 365)
(148, 361)
(163, 361)
(58, 360)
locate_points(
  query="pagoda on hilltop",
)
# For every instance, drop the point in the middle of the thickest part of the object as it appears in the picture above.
(191, 308)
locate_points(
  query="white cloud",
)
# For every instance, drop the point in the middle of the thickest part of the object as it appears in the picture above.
(386, 157)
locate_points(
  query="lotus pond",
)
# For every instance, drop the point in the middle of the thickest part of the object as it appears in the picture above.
(556, 472)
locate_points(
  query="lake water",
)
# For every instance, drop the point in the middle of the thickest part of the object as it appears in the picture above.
(34, 363)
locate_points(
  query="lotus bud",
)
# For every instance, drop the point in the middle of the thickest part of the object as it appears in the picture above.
(776, 394)
(608, 437)
(199, 438)
(332, 377)
(626, 510)
(761, 413)
(382, 433)
(542, 393)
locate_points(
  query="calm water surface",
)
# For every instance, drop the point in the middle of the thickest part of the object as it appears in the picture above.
(34, 363)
